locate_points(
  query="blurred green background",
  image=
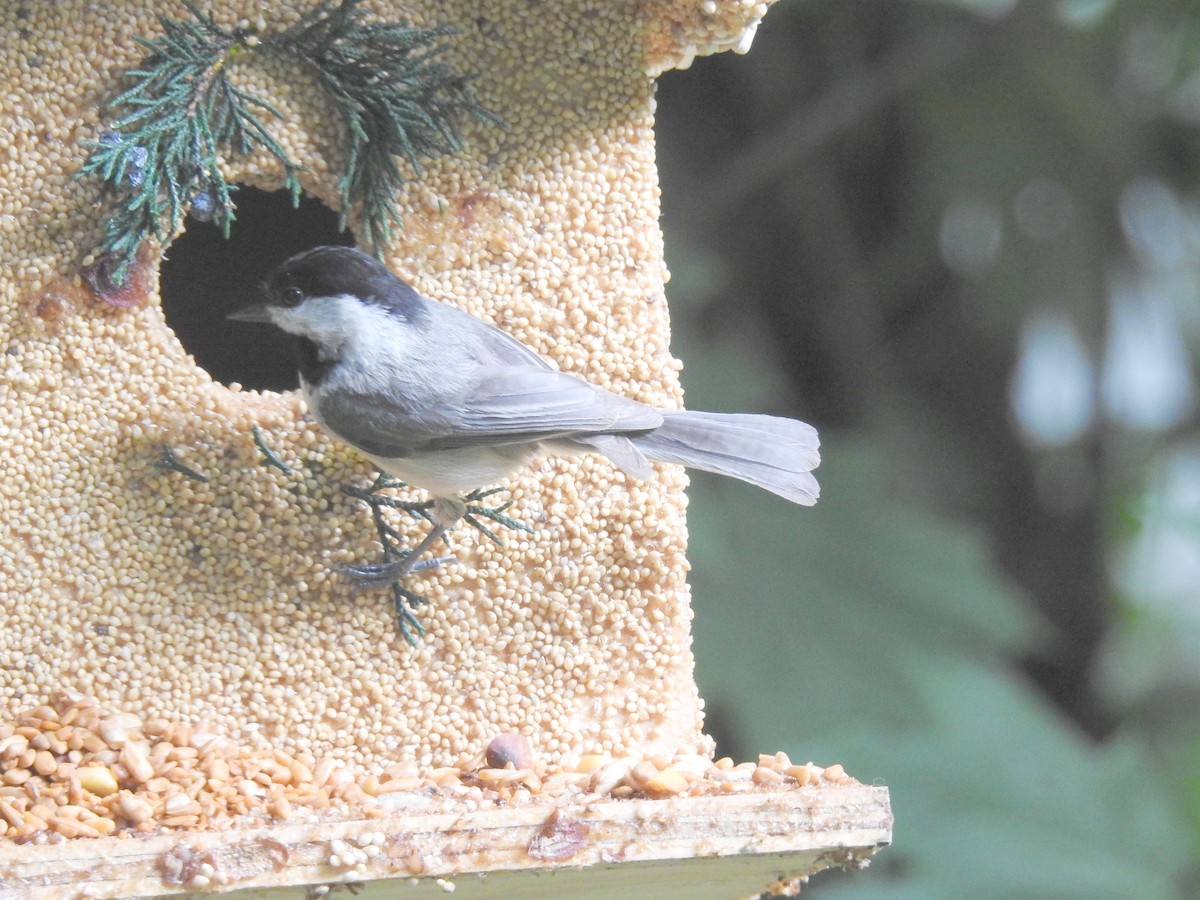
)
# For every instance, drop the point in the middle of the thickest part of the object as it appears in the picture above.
(961, 238)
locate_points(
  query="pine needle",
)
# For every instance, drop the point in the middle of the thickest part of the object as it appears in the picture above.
(160, 158)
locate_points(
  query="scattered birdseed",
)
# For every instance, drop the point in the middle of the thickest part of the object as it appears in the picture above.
(509, 750)
(92, 792)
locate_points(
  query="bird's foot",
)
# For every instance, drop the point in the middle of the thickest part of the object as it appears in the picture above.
(398, 562)
(390, 573)
(367, 575)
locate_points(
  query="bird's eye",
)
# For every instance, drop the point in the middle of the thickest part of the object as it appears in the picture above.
(292, 296)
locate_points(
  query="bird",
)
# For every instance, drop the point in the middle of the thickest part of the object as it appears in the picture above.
(446, 402)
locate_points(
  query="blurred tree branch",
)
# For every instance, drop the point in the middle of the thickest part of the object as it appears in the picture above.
(849, 102)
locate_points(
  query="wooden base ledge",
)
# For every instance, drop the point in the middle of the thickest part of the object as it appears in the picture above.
(725, 846)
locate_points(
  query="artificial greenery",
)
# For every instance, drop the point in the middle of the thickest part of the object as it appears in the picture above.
(161, 156)
(404, 600)
(270, 457)
(170, 462)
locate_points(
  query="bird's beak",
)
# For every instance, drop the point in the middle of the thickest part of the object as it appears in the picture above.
(256, 313)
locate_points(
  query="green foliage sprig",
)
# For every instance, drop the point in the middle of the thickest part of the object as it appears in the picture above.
(161, 158)
(405, 601)
(169, 461)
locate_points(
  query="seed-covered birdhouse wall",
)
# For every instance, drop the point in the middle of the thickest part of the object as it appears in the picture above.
(178, 645)
(154, 560)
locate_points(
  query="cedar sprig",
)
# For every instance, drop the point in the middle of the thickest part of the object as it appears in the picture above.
(399, 98)
(160, 158)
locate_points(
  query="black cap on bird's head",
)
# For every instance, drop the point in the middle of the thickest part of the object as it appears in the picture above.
(328, 272)
(333, 271)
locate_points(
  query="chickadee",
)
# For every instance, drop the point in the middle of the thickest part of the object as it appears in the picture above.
(449, 403)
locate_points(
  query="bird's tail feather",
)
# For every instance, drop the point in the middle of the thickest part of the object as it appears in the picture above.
(774, 453)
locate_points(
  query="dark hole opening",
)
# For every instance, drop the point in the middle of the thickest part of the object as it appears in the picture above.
(204, 277)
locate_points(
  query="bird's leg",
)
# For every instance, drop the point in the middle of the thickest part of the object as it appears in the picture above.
(391, 573)
(397, 561)
(395, 557)
(473, 511)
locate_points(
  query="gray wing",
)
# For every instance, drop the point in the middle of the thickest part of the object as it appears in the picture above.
(500, 347)
(504, 405)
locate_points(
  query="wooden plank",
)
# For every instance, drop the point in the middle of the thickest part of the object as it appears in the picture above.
(709, 846)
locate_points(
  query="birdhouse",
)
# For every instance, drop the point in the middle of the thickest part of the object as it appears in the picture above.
(191, 692)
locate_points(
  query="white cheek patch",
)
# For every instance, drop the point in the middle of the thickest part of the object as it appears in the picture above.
(344, 323)
(365, 341)
(321, 319)
(290, 320)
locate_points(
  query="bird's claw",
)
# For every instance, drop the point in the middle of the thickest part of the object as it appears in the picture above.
(399, 563)
(404, 601)
(389, 572)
